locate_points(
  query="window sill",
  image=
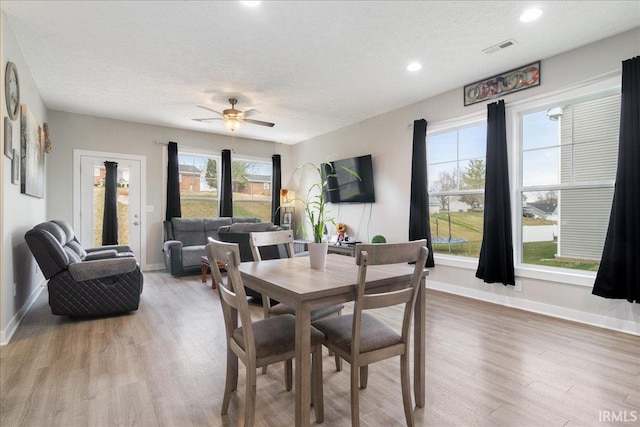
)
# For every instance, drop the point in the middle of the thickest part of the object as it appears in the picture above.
(456, 261)
(578, 278)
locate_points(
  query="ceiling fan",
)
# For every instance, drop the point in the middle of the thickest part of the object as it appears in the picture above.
(232, 119)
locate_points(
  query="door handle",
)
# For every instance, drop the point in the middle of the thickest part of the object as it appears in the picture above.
(136, 223)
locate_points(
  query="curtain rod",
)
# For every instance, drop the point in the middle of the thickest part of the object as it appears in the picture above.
(167, 144)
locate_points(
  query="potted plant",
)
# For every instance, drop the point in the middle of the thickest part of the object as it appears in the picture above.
(315, 209)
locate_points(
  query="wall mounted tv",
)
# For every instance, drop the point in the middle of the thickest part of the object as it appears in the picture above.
(344, 187)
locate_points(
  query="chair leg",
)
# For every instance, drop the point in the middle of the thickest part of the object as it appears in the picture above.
(231, 381)
(250, 398)
(266, 305)
(338, 363)
(288, 376)
(406, 389)
(317, 386)
(355, 396)
(364, 376)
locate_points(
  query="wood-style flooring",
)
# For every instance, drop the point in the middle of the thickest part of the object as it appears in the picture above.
(164, 365)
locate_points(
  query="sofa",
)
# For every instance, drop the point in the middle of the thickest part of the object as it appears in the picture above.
(185, 239)
(84, 282)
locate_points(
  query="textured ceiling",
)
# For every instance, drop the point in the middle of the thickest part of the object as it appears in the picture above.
(310, 67)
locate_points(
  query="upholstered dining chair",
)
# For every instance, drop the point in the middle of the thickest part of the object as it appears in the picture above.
(259, 343)
(285, 238)
(362, 339)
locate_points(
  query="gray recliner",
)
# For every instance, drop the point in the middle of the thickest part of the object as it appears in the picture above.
(84, 282)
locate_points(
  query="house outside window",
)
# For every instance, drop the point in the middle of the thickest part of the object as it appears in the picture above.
(251, 182)
(456, 176)
(198, 177)
(569, 160)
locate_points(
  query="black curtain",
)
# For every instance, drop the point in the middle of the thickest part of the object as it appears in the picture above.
(226, 194)
(496, 253)
(110, 215)
(173, 183)
(619, 272)
(276, 173)
(419, 227)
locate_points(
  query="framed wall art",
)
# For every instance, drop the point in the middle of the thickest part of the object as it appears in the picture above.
(8, 138)
(521, 78)
(15, 167)
(32, 155)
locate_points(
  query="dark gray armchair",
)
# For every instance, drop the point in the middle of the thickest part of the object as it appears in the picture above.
(92, 282)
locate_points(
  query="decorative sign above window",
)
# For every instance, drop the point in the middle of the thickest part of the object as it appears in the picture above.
(502, 84)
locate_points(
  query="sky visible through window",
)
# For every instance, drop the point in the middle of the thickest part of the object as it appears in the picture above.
(541, 150)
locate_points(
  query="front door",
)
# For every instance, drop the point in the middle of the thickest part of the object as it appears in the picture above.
(90, 199)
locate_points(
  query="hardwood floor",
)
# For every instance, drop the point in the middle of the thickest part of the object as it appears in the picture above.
(164, 365)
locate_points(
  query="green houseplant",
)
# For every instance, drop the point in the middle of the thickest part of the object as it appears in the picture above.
(315, 209)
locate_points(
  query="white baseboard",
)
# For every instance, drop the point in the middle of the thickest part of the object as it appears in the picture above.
(6, 334)
(619, 325)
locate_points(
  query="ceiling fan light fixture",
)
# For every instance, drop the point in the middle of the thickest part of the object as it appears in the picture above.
(231, 123)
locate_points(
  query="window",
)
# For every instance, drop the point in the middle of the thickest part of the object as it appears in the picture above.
(198, 176)
(251, 182)
(456, 168)
(569, 159)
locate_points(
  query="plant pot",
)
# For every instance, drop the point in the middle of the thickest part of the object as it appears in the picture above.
(318, 254)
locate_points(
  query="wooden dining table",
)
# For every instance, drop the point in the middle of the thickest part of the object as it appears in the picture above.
(293, 282)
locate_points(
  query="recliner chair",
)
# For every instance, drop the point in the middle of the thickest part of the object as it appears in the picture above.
(92, 282)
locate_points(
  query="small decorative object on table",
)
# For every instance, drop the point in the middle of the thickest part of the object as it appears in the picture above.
(378, 238)
(341, 228)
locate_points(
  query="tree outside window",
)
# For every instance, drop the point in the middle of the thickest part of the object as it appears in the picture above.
(251, 182)
(456, 187)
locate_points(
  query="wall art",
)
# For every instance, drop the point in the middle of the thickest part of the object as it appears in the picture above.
(521, 78)
(32, 155)
(15, 167)
(8, 138)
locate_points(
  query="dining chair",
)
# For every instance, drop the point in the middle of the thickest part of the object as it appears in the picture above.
(285, 238)
(362, 339)
(259, 343)
(258, 240)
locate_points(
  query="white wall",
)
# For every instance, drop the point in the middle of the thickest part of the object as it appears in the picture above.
(19, 212)
(71, 131)
(388, 138)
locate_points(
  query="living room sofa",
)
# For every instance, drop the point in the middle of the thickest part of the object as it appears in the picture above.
(185, 239)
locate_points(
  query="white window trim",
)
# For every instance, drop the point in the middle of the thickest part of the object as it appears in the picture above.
(449, 125)
(595, 88)
(556, 275)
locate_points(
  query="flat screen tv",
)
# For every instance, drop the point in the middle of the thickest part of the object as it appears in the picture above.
(350, 180)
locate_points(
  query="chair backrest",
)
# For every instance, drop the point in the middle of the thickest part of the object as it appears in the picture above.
(258, 240)
(233, 298)
(54, 246)
(388, 253)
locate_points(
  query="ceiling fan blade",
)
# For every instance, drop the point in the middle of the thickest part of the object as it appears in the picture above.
(258, 122)
(251, 112)
(207, 119)
(209, 109)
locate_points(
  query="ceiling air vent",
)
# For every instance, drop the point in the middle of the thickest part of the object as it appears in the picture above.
(502, 45)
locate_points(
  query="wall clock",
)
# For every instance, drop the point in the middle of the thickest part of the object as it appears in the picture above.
(12, 90)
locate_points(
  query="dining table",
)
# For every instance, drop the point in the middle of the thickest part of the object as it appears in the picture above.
(293, 282)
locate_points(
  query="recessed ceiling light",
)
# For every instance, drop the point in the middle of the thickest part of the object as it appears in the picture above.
(531, 15)
(414, 66)
(250, 3)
